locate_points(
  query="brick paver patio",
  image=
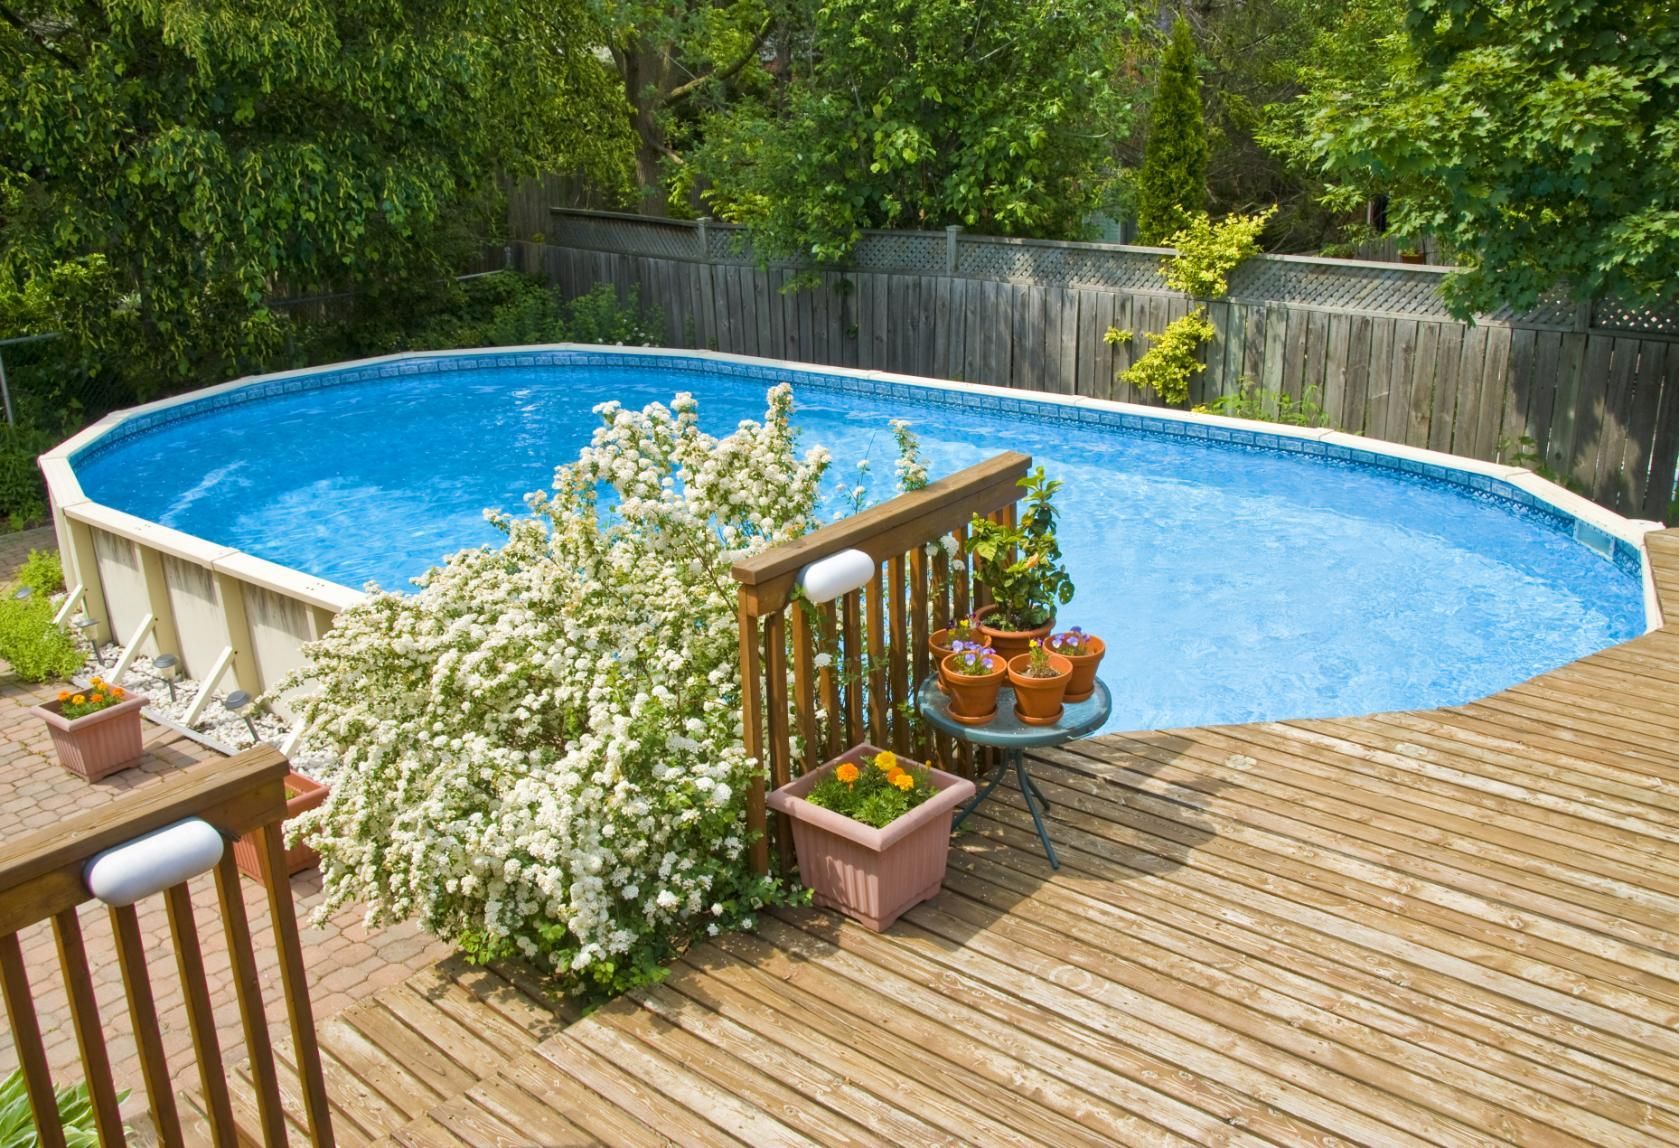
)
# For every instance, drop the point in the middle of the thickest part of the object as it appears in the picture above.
(346, 960)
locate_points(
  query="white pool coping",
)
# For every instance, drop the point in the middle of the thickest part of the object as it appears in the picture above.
(70, 501)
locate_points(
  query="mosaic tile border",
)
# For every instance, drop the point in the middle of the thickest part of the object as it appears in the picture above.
(1626, 555)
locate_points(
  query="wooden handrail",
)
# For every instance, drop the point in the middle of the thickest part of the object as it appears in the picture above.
(800, 707)
(893, 527)
(41, 879)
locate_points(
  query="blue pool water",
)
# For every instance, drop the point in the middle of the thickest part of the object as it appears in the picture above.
(1232, 583)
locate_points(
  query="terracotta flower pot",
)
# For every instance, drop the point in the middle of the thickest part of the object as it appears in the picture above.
(100, 743)
(938, 644)
(973, 697)
(1037, 701)
(1083, 682)
(1010, 643)
(871, 875)
(307, 794)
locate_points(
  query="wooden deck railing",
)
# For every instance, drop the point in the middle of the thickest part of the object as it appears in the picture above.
(875, 637)
(41, 878)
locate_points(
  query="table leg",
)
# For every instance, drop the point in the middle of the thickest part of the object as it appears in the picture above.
(996, 776)
(1028, 792)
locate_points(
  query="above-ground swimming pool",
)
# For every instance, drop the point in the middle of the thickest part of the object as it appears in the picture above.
(1238, 576)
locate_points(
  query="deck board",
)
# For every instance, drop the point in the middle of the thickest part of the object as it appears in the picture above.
(1457, 926)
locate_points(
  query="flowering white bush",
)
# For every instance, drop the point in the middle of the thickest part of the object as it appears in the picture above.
(541, 750)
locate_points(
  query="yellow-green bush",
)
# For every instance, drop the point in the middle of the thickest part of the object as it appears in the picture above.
(1170, 361)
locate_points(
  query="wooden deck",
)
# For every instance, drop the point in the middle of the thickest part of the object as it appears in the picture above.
(1449, 927)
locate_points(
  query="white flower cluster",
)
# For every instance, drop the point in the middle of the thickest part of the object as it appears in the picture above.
(541, 749)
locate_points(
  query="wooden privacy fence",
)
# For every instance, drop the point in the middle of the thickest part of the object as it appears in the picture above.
(801, 708)
(1595, 387)
(41, 879)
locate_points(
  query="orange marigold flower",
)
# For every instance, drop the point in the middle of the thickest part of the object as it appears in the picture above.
(63, 695)
(886, 761)
(97, 698)
(846, 772)
(116, 692)
(904, 782)
(78, 700)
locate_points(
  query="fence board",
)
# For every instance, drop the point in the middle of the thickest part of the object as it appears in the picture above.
(1597, 405)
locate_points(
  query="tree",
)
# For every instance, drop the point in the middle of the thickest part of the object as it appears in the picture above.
(680, 60)
(1171, 185)
(167, 167)
(920, 114)
(1538, 138)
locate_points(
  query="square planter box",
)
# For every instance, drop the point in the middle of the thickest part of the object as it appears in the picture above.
(307, 793)
(871, 875)
(99, 744)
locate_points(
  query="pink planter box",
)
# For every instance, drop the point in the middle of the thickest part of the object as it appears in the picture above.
(99, 744)
(871, 875)
(309, 793)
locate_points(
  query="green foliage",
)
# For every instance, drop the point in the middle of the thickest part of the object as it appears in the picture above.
(1251, 401)
(876, 792)
(500, 310)
(1172, 358)
(75, 1113)
(1208, 252)
(1539, 139)
(1021, 565)
(924, 113)
(1171, 185)
(1115, 337)
(42, 573)
(23, 493)
(165, 167)
(36, 649)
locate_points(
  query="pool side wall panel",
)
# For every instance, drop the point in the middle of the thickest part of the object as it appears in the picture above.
(216, 597)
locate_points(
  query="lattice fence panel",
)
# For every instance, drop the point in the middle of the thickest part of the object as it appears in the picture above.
(727, 243)
(1123, 270)
(1556, 310)
(1340, 285)
(658, 238)
(916, 252)
(1610, 314)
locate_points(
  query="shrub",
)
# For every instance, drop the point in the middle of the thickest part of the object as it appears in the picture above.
(23, 493)
(1251, 401)
(75, 1113)
(1170, 361)
(37, 650)
(42, 573)
(1208, 252)
(540, 751)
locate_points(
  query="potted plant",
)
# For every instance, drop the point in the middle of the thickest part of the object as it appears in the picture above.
(872, 831)
(1040, 680)
(972, 676)
(941, 642)
(302, 794)
(1085, 652)
(96, 731)
(1020, 566)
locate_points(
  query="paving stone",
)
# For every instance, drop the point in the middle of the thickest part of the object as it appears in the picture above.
(35, 792)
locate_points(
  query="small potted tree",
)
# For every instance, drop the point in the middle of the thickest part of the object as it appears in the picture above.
(1020, 566)
(872, 831)
(96, 731)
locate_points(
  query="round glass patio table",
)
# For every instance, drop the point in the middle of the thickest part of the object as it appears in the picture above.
(1014, 737)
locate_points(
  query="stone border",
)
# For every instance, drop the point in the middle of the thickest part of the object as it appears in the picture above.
(236, 574)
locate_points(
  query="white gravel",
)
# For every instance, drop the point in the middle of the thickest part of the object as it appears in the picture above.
(217, 723)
